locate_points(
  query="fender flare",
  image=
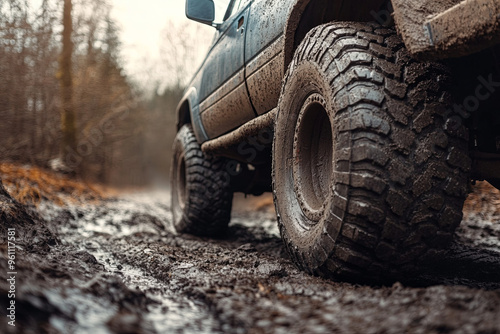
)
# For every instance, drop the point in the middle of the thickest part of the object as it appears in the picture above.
(344, 10)
(292, 24)
(188, 111)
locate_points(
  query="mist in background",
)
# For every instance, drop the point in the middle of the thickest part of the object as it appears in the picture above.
(122, 93)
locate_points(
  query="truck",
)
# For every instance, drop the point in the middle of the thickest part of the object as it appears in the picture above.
(368, 120)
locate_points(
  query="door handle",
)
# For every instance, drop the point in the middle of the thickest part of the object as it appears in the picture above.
(240, 22)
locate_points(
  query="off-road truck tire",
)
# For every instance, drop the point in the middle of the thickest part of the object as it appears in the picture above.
(370, 168)
(201, 188)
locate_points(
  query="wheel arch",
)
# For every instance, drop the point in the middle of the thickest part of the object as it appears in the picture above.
(307, 14)
(183, 113)
(188, 112)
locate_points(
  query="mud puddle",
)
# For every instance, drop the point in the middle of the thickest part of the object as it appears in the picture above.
(167, 312)
(96, 227)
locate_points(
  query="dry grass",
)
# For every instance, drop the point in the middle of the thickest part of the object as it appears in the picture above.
(31, 185)
(263, 203)
(484, 197)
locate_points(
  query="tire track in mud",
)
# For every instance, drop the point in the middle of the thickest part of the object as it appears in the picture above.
(98, 228)
(244, 282)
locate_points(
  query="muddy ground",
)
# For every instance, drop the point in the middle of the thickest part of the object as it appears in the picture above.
(118, 267)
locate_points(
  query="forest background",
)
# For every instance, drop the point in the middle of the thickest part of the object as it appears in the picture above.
(67, 104)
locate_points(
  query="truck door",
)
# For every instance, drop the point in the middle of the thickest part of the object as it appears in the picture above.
(264, 58)
(224, 99)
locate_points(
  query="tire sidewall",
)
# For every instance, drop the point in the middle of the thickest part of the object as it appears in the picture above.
(303, 80)
(179, 151)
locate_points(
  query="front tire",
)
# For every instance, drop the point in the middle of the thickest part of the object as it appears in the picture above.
(201, 194)
(370, 171)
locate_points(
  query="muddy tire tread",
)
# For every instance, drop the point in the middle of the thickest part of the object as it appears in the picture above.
(208, 207)
(373, 63)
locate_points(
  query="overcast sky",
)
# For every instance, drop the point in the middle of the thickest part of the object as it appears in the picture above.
(141, 24)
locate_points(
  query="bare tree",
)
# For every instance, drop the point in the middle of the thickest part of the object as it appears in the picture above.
(68, 118)
(183, 46)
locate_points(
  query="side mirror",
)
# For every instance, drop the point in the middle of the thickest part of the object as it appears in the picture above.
(201, 10)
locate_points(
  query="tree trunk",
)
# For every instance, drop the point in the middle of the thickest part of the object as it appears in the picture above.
(68, 119)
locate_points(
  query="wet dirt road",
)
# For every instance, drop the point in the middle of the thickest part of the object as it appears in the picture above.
(118, 267)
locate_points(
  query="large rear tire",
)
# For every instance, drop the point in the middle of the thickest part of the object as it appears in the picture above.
(201, 191)
(370, 170)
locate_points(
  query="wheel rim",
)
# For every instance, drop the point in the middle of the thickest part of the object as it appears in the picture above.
(181, 182)
(312, 157)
